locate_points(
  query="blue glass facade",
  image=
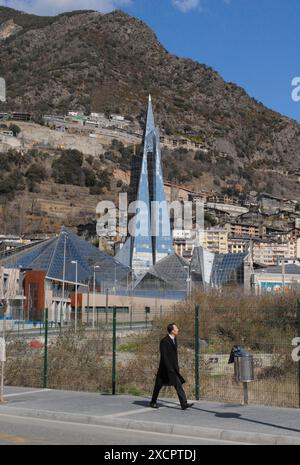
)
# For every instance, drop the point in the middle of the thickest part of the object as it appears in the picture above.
(217, 270)
(152, 240)
(142, 254)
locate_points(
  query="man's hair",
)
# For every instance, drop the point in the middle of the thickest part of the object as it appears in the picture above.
(170, 327)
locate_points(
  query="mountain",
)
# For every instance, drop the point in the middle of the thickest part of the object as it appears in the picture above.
(90, 61)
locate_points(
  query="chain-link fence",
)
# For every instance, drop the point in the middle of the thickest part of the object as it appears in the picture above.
(121, 354)
(268, 336)
(81, 360)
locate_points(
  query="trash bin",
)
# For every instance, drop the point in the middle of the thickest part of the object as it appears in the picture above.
(243, 365)
(243, 368)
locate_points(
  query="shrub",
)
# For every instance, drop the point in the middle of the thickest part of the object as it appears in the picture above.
(15, 129)
(35, 175)
(67, 169)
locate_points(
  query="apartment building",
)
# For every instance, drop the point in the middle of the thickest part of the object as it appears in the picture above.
(215, 240)
(184, 243)
(238, 245)
(244, 230)
(269, 253)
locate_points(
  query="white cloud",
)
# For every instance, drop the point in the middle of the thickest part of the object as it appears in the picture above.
(53, 7)
(186, 5)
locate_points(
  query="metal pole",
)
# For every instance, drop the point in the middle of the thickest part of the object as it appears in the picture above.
(63, 286)
(76, 297)
(88, 303)
(23, 316)
(2, 383)
(189, 283)
(245, 387)
(29, 302)
(106, 308)
(3, 358)
(23, 310)
(46, 350)
(197, 355)
(114, 353)
(187, 290)
(94, 291)
(299, 360)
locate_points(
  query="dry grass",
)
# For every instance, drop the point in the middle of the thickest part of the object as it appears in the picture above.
(75, 362)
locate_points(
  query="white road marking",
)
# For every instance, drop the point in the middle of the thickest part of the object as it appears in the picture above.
(130, 412)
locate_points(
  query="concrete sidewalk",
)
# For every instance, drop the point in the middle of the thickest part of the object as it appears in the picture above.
(211, 420)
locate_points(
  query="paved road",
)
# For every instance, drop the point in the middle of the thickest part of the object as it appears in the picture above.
(16, 430)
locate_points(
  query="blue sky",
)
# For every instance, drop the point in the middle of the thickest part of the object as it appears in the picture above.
(254, 43)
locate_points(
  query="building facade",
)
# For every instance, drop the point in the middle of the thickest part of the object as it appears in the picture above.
(215, 240)
(269, 253)
(151, 239)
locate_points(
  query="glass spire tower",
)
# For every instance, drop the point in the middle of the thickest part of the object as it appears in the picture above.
(152, 240)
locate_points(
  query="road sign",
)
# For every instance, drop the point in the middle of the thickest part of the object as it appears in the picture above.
(2, 350)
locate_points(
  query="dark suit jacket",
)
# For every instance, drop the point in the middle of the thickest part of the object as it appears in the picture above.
(168, 368)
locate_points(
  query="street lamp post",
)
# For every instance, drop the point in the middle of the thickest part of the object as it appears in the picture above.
(127, 284)
(191, 281)
(115, 284)
(187, 268)
(75, 262)
(94, 294)
(106, 306)
(64, 277)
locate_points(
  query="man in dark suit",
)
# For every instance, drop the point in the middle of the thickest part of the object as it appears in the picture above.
(168, 372)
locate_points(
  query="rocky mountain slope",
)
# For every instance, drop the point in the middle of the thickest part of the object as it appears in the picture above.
(94, 62)
(87, 60)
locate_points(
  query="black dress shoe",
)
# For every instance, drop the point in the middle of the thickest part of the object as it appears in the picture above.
(153, 405)
(185, 406)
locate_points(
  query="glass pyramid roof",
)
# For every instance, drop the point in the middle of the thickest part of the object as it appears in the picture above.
(218, 269)
(171, 270)
(50, 256)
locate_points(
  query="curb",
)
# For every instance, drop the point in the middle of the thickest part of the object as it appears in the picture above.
(156, 427)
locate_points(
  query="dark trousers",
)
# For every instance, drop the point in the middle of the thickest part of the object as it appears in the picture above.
(179, 389)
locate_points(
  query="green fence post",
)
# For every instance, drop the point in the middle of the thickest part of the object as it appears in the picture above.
(298, 317)
(197, 355)
(46, 350)
(131, 317)
(114, 353)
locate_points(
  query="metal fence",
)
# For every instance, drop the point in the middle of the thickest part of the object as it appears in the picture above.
(121, 354)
